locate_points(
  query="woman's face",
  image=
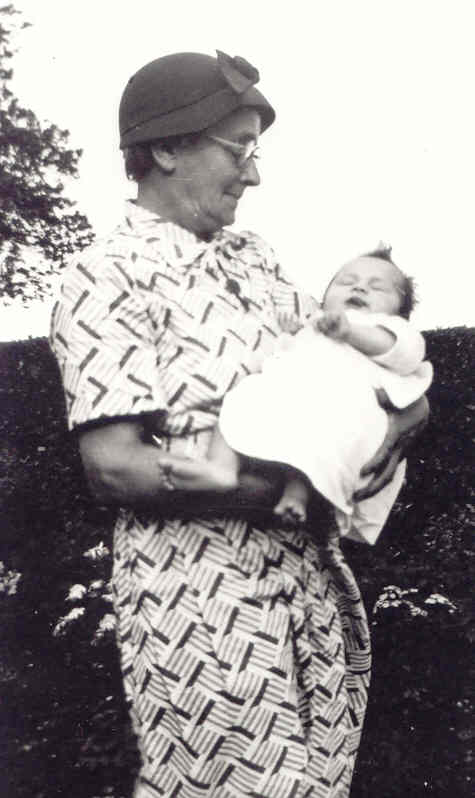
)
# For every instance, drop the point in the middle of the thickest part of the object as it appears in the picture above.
(212, 181)
(368, 284)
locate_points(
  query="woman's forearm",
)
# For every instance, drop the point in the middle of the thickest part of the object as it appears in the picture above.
(122, 470)
(135, 478)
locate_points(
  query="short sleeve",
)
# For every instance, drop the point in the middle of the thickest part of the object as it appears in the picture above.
(408, 351)
(102, 337)
(402, 391)
(404, 375)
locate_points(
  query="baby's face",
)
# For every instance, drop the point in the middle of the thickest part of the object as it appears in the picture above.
(368, 284)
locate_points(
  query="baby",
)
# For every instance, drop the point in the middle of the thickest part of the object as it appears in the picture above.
(312, 407)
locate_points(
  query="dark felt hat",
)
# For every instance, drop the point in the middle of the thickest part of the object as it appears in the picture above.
(186, 93)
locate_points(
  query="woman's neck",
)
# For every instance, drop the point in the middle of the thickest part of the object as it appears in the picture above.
(164, 201)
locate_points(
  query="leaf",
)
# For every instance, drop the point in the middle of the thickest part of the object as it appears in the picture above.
(39, 226)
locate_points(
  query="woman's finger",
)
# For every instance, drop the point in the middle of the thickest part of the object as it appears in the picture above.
(403, 427)
(381, 457)
(381, 477)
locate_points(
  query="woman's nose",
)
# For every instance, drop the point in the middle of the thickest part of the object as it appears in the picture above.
(249, 175)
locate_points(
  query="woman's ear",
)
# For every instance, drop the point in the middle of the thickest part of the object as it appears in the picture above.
(164, 157)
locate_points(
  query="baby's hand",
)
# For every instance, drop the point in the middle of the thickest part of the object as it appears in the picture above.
(289, 323)
(334, 324)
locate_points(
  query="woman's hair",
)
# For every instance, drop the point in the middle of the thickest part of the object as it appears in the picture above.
(408, 286)
(138, 161)
(138, 158)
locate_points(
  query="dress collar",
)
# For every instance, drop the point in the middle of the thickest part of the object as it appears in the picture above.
(219, 257)
(148, 224)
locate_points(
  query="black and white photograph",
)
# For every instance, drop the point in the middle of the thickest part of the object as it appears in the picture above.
(236, 399)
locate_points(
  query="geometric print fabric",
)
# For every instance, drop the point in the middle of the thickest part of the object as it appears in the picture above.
(241, 682)
(245, 651)
(146, 320)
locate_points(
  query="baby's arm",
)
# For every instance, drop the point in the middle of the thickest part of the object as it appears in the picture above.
(367, 339)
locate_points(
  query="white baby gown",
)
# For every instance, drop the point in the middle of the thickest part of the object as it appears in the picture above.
(314, 407)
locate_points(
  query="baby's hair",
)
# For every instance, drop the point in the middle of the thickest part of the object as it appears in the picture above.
(408, 286)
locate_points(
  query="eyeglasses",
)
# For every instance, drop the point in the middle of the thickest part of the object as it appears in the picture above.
(243, 152)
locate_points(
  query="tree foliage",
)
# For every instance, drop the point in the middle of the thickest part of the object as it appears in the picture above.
(39, 226)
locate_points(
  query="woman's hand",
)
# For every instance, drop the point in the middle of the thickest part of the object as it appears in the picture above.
(123, 470)
(403, 428)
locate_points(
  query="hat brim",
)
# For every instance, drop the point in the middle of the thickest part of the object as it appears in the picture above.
(199, 116)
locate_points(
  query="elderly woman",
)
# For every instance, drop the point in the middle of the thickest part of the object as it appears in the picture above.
(244, 647)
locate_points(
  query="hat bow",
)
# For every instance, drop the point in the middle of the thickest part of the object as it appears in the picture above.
(238, 73)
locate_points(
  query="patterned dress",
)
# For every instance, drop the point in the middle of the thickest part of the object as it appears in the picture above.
(245, 651)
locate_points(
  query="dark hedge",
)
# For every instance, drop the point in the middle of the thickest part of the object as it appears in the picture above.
(64, 728)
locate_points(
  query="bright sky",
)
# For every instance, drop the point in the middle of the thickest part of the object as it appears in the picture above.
(374, 137)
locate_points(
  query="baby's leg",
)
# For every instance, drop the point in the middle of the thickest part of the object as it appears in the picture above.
(292, 506)
(217, 472)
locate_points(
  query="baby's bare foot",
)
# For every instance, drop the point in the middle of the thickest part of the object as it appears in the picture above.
(292, 507)
(291, 511)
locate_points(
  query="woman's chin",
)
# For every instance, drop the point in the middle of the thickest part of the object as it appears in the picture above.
(229, 206)
(226, 217)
